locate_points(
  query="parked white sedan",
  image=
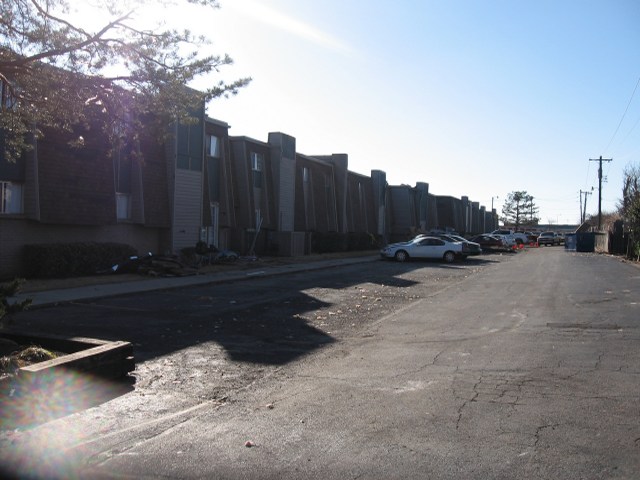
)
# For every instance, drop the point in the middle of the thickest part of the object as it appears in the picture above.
(425, 247)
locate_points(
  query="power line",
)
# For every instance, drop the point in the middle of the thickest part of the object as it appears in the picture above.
(632, 129)
(623, 115)
(557, 199)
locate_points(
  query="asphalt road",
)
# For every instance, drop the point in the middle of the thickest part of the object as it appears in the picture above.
(522, 366)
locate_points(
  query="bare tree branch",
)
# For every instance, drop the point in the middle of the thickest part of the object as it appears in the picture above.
(55, 68)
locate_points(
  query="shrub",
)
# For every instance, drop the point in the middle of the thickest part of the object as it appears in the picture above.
(189, 256)
(8, 290)
(361, 241)
(202, 248)
(73, 259)
(330, 242)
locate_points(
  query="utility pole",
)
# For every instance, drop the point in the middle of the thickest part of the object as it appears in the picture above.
(583, 212)
(600, 160)
(581, 220)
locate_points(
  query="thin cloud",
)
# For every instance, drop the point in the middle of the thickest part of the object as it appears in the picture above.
(276, 19)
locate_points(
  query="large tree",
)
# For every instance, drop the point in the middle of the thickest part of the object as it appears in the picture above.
(520, 210)
(630, 208)
(53, 69)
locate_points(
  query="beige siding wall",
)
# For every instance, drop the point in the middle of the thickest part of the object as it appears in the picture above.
(187, 209)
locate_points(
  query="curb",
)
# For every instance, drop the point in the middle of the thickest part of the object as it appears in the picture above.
(54, 297)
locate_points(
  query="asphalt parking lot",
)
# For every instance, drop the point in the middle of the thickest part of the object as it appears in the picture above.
(380, 369)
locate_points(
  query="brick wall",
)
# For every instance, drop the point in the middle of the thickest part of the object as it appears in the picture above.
(76, 185)
(15, 233)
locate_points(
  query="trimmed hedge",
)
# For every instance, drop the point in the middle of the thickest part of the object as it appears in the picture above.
(340, 242)
(328, 242)
(361, 241)
(59, 260)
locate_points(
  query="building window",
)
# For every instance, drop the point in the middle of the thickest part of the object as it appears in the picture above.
(258, 220)
(332, 221)
(257, 165)
(212, 169)
(122, 172)
(123, 206)
(362, 198)
(213, 146)
(11, 194)
(190, 145)
(307, 197)
(256, 162)
(8, 101)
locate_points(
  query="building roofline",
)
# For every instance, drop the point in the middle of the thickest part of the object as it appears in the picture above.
(215, 121)
(244, 138)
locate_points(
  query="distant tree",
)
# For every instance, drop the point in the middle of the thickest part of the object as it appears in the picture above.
(520, 210)
(630, 208)
(52, 67)
(608, 218)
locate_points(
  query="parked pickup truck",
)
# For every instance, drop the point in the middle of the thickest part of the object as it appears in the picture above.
(548, 238)
(518, 237)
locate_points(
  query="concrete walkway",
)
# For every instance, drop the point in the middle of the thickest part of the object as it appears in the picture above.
(145, 284)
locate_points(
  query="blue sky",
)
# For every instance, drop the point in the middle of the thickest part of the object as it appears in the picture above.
(476, 98)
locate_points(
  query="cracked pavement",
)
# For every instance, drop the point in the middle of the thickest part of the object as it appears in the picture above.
(523, 366)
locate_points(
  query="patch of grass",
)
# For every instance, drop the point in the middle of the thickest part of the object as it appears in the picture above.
(23, 357)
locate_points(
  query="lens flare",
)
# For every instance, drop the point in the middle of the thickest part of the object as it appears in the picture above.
(33, 444)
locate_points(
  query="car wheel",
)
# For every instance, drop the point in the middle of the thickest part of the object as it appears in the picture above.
(449, 256)
(401, 256)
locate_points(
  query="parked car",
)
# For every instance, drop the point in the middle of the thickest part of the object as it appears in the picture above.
(548, 239)
(518, 237)
(473, 248)
(507, 239)
(425, 247)
(488, 242)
